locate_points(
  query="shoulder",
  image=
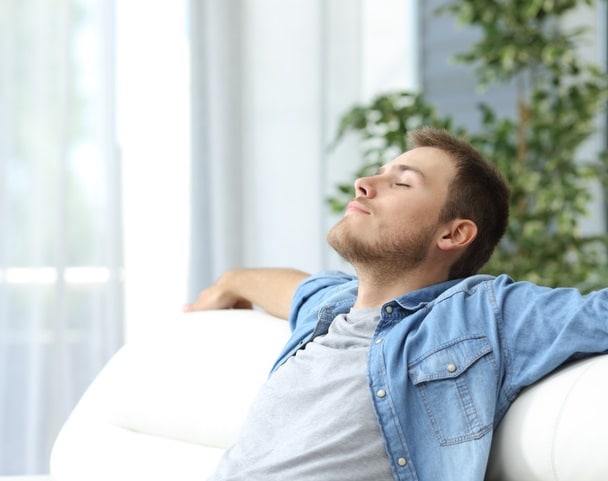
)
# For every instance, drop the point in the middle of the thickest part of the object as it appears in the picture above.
(319, 289)
(475, 284)
(495, 289)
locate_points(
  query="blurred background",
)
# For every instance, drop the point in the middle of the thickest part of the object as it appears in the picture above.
(148, 146)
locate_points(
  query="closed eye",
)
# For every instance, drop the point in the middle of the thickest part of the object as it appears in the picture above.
(402, 184)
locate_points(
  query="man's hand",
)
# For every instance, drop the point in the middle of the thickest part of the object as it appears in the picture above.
(271, 289)
(220, 296)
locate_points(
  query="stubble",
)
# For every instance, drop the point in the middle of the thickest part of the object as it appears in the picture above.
(386, 255)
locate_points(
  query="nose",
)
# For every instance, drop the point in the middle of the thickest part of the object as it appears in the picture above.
(365, 187)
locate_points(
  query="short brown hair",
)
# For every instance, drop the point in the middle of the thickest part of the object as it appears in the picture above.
(478, 192)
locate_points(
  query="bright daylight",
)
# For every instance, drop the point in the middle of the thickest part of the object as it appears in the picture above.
(312, 240)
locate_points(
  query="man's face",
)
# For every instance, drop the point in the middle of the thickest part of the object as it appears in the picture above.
(393, 219)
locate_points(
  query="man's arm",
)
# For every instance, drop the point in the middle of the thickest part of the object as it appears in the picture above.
(271, 289)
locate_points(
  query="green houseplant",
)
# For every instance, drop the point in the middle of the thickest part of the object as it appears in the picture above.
(559, 98)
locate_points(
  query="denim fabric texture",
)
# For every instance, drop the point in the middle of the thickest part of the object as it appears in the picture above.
(446, 362)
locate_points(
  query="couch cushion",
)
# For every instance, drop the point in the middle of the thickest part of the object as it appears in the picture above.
(195, 381)
(173, 400)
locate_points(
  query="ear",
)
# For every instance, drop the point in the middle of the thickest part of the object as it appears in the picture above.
(457, 234)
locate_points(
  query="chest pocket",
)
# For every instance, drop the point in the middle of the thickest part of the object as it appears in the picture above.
(457, 385)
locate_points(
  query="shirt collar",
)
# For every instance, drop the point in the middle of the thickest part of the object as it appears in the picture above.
(412, 301)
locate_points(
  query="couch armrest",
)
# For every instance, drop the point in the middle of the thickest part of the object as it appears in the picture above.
(556, 429)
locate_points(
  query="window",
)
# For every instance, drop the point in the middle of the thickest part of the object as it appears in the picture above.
(60, 217)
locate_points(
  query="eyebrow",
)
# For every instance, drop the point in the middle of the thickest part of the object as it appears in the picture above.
(403, 168)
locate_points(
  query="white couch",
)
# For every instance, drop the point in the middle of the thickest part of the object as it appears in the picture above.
(165, 408)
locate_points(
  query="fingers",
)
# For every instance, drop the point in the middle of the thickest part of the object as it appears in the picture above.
(216, 298)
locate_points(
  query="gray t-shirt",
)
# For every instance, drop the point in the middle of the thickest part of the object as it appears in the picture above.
(313, 419)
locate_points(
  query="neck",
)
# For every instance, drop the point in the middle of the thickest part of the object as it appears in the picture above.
(376, 287)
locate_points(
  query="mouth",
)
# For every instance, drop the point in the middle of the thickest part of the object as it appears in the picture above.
(357, 208)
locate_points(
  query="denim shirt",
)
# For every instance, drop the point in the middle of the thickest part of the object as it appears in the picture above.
(446, 362)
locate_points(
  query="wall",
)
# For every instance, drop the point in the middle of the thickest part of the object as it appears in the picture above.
(263, 121)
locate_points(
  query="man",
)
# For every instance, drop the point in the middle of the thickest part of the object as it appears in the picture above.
(405, 371)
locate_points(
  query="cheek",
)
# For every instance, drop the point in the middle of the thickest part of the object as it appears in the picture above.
(409, 215)
(409, 222)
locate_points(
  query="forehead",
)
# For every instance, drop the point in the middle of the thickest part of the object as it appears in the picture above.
(431, 163)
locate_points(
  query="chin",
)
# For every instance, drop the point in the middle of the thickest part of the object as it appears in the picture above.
(345, 242)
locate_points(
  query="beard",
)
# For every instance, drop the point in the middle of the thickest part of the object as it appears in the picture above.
(387, 255)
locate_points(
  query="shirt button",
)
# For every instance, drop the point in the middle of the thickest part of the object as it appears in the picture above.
(379, 340)
(389, 309)
(381, 393)
(451, 367)
(402, 461)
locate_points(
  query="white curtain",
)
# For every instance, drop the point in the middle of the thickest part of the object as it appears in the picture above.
(61, 303)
